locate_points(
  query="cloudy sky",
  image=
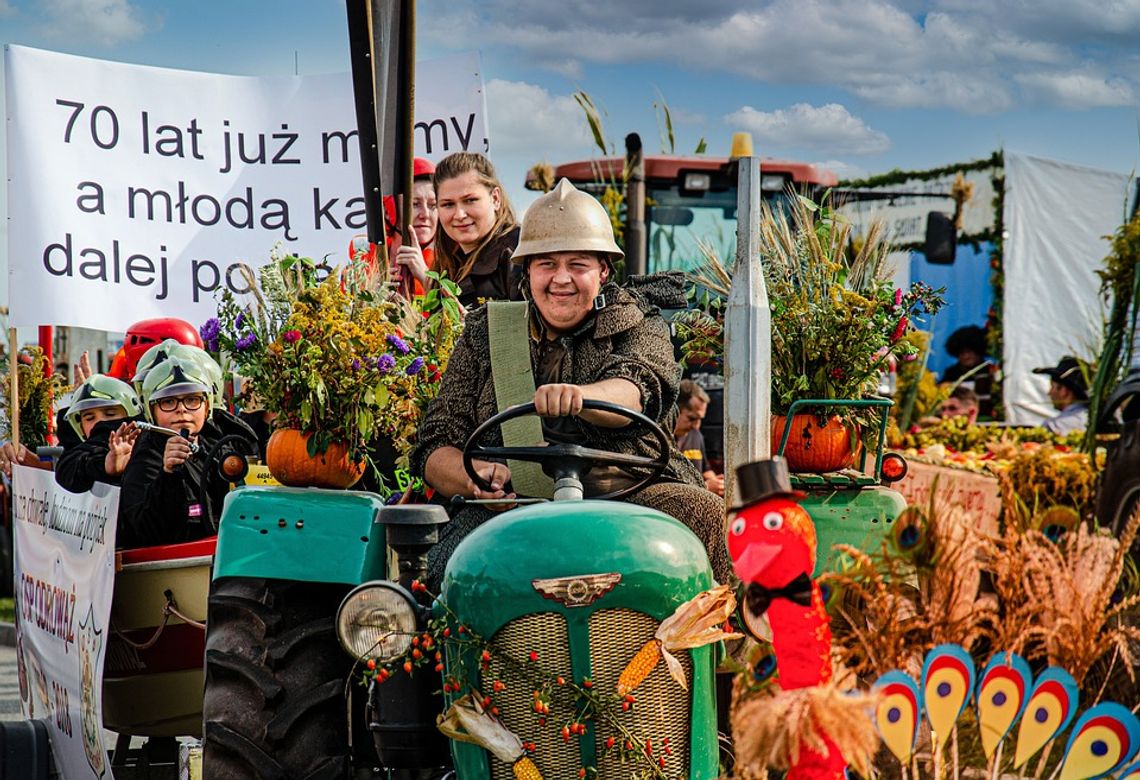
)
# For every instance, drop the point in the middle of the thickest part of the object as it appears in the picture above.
(862, 85)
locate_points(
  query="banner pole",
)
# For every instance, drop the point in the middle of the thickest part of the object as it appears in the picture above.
(14, 387)
(407, 70)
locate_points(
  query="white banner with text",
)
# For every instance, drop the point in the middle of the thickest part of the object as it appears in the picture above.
(138, 192)
(65, 574)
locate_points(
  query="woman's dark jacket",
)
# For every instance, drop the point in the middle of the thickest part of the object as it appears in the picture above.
(160, 508)
(494, 276)
(627, 339)
(84, 462)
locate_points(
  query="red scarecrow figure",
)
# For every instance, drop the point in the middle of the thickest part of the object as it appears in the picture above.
(772, 542)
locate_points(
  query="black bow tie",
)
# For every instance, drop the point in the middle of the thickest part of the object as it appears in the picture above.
(798, 591)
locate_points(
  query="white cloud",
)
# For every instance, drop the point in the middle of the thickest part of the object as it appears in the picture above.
(570, 68)
(1077, 90)
(525, 118)
(830, 127)
(106, 22)
(963, 92)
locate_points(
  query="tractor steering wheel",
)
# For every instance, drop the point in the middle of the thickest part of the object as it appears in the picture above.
(570, 460)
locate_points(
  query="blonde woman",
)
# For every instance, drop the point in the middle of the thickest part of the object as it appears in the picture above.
(477, 231)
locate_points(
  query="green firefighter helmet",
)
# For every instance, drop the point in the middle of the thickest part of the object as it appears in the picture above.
(160, 352)
(177, 375)
(152, 357)
(101, 392)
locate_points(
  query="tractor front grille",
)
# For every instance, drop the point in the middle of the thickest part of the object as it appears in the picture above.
(660, 713)
(546, 633)
(661, 710)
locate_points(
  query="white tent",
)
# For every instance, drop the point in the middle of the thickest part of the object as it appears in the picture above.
(1058, 218)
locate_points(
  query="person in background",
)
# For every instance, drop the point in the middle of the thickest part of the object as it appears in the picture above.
(101, 412)
(477, 231)
(1069, 392)
(170, 493)
(968, 347)
(963, 402)
(415, 256)
(692, 403)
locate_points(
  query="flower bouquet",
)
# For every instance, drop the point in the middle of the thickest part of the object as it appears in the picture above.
(837, 320)
(334, 357)
(38, 387)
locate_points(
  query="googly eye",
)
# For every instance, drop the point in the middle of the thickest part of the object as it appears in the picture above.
(738, 526)
(773, 521)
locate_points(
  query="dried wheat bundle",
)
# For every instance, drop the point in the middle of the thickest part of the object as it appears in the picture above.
(772, 728)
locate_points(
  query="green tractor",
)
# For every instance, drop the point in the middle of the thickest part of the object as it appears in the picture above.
(580, 584)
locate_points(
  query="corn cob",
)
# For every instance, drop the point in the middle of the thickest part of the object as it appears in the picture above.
(697, 622)
(639, 666)
(525, 769)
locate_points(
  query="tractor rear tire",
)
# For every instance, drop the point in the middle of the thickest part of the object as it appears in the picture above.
(1119, 493)
(276, 680)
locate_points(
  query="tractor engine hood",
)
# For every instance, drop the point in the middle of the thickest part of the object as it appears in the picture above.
(570, 556)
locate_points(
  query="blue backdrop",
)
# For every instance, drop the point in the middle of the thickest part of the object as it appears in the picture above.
(968, 296)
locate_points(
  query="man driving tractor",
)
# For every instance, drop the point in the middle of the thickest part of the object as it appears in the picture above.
(587, 339)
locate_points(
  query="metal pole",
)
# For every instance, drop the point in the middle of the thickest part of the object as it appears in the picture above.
(747, 340)
(407, 71)
(14, 387)
(360, 43)
(47, 336)
(636, 245)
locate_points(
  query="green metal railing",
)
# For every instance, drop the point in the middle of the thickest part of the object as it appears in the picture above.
(842, 480)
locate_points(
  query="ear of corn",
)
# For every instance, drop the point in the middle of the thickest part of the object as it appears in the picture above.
(639, 666)
(525, 769)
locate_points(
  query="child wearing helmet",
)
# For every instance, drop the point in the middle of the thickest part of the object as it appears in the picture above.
(170, 493)
(100, 414)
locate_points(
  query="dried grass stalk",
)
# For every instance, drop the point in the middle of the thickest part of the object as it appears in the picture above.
(773, 728)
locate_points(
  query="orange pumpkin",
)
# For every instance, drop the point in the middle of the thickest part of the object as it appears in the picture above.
(811, 448)
(289, 462)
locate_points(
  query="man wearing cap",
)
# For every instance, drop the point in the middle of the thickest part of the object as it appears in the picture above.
(1068, 390)
(587, 338)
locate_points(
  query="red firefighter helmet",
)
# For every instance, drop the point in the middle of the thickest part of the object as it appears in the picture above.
(145, 334)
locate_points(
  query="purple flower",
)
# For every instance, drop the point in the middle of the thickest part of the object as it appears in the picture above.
(209, 332)
(245, 342)
(415, 367)
(400, 345)
(355, 364)
(210, 328)
(240, 320)
(385, 363)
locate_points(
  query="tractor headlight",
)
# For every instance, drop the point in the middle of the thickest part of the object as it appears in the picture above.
(376, 620)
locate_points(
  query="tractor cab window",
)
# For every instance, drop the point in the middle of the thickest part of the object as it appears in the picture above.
(683, 227)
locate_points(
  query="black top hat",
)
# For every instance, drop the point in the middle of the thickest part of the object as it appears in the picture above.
(1067, 373)
(970, 337)
(763, 479)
